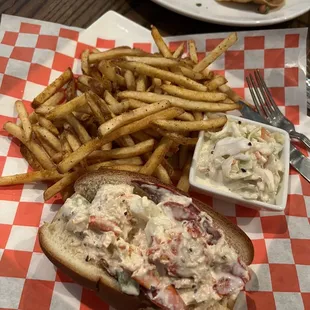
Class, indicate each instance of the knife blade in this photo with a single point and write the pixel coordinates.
(297, 159)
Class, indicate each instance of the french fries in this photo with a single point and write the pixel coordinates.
(64, 109)
(193, 95)
(48, 137)
(162, 46)
(34, 147)
(74, 158)
(183, 183)
(179, 51)
(191, 126)
(178, 79)
(29, 177)
(132, 116)
(115, 53)
(24, 118)
(129, 110)
(193, 51)
(78, 128)
(51, 89)
(157, 156)
(216, 82)
(217, 52)
(125, 152)
(185, 104)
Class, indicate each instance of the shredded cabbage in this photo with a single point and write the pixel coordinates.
(245, 159)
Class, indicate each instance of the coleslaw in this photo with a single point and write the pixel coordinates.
(244, 159)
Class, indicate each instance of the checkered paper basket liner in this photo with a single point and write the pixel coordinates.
(34, 54)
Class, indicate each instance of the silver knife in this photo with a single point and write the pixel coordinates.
(297, 160)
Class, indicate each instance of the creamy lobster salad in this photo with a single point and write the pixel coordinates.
(156, 241)
(244, 159)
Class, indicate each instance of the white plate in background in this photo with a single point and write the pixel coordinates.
(234, 13)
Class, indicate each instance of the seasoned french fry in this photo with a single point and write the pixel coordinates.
(109, 72)
(160, 62)
(46, 146)
(32, 161)
(191, 126)
(176, 137)
(190, 73)
(141, 83)
(70, 90)
(228, 100)
(115, 53)
(125, 152)
(49, 104)
(192, 51)
(73, 159)
(136, 161)
(34, 147)
(233, 95)
(96, 86)
(179, 51)
(133, 103)
(159, 41)
(94, 107)
(183, 156)
(57, 158)
(68, 179)
(66, 108)
(183, 183)
(109, 98)
(51, 89)
(24, 118)
(142, 68)
(107, 146)
(78, 128)
(198, 116)
(131, 168)
(29, 177)
(125, 141)
(162, 174)
(216, 52)
(84, 62)
(157, 156)
(179, 102)
(48, 125)
(48, 137)
(193, 95)
(167, 166)
(67, 192)
(140, 136)
(216, 82)
(130, 80)
(132, 116)
(73, 141)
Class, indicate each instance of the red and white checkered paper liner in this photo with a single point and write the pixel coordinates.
(32, 54)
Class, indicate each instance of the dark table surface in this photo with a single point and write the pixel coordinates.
(82, 13)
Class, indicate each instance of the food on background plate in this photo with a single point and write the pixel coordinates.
(138, 242)
(242, 158)
(129, 110)
(264, 5)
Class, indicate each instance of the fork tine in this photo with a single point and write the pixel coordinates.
(266, 112)
(255, 100)
(262, 97)
(265, 91)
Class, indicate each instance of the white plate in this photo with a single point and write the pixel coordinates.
(234, 13)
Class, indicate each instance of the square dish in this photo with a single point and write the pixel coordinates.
(281, 197)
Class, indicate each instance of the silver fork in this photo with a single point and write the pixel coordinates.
(268, 109)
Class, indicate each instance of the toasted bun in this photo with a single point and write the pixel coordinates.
(54, 241)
